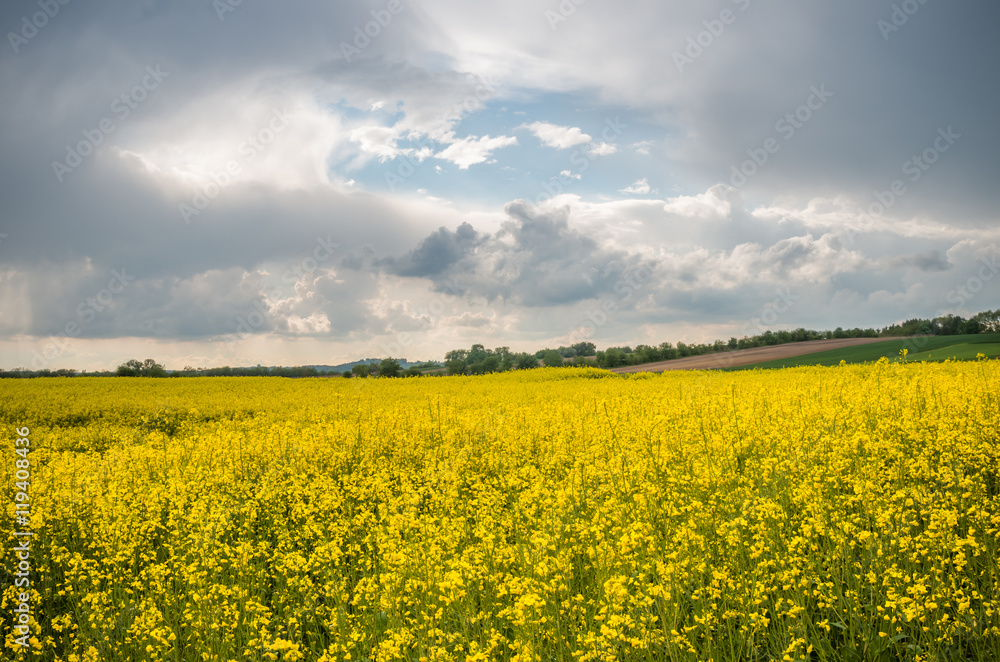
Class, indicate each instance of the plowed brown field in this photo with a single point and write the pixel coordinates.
(740, 357)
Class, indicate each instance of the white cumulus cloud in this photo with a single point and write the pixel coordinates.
(640, 187)
(470, 151)
(560, 137)
(603, 149)
(379, 141)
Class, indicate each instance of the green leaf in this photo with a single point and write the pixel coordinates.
(850, 654)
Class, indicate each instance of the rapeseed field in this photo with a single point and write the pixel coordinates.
(842, 513)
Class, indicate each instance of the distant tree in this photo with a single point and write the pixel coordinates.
(362, 369)
(552, 358)
(477, 354)
(455, 366)
(949, 325)
(506, 362)
(135, 368)
(612, 358)
(389, 368)
(491, 364)
(970, 326)
(525, 361)
(585, 348)
(646, 354)
(457, 355)
(667, 351)
(151, 368)
(989, 321)
(130, 368)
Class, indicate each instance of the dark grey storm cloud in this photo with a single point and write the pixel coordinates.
(436, 254)
(890, 91)
(929, 261)
(535, 259)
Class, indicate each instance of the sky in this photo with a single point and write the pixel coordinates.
(246, 182)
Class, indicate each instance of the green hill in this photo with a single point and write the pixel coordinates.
(960, 351)
(923, 348)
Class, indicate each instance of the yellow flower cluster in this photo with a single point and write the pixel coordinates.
(845, 513)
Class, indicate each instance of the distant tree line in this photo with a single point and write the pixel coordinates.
(479, 360)
(136, 368)
(258, 371)
(61, 372)
(949, 325)
(389, 368)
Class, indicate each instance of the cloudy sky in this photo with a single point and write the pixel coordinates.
(233, 183)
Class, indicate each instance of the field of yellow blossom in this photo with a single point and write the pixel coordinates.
(844, 513)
